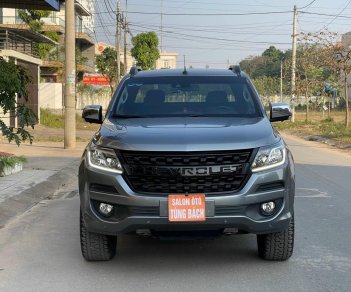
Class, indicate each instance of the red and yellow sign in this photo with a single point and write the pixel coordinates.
(186, 208)
(95, 80)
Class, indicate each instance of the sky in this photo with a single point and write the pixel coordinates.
(216, 40)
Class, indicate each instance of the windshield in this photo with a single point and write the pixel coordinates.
(186, 96)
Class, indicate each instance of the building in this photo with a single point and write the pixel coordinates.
(20, 45)
(100, 47)
(85, 41)
(52, 68)
(167, 61)
(37, 4)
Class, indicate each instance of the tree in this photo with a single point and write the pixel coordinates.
(342, 57)
(273, 54)
(106, 63)
(13, 82)
(33, 19)
(266, 85)
(268, 64)
(145, 50)
(309, 70)
(335, 58)
(265, 70)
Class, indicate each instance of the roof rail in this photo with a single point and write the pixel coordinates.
(134, 70)
(236, 69)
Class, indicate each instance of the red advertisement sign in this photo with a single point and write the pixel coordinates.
(95, 80)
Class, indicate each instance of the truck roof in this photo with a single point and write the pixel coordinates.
(189, 72)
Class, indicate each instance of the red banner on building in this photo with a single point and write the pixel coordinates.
(95, 80)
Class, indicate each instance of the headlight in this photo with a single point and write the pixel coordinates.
(269, 157)
(105, 159)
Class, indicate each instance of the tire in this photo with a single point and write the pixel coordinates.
(94, 246)
(277, 246)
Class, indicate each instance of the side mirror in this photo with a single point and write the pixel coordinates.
(92, 114)
(280, 112)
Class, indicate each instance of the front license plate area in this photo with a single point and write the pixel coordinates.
(186, 208)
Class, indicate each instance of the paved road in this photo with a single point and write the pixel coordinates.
(40, 250)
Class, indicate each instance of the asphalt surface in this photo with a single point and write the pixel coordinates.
(39, 251)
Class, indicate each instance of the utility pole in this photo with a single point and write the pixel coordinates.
(161, 28)
(125, 39)
(118, 41)
(70, 77)
(281, 80)
(293, 66)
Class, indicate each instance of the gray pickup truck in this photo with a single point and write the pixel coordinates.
(186, 153)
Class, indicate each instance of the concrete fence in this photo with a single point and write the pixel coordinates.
(51, 96)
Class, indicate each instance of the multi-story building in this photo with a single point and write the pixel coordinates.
(85, 41)
(38, 4)
(52, 68)
(20, 45)
(167, 61)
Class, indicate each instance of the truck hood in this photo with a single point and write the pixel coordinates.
(186, 134)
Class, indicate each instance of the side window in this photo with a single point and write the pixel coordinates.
(122, 100)
(249, 100)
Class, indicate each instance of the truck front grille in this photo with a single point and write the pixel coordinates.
(146, 177)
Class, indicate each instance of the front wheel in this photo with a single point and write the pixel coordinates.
(96, 247)
(277, 246)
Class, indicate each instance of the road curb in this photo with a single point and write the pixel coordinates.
(331, 142)
(30, 197)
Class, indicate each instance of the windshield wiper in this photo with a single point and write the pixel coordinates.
(126, 116)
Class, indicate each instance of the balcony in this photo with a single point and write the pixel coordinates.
(85, 34)
(53, 23)
(22, 41)
(81, 9)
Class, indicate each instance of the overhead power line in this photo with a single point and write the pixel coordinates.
(338, 15)
(208, 14)
(325, 14)
(224, 39)
(309, 4)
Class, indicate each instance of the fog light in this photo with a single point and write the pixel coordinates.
(268, 208)
(105, 209)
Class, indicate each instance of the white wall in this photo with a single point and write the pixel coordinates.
(89, 21)
(8, 16)
(5, 118)
(167, 61)
(102, 98)
(50, 95)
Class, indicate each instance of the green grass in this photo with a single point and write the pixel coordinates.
(58, 139)
(10, 161)
(53, 120)
(326, 128)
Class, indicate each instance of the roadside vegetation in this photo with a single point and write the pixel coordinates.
(323, 63)
(329, 127)
(13, 102)
(56, 120)
(8, 161)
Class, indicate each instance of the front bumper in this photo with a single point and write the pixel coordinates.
(239, 210)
